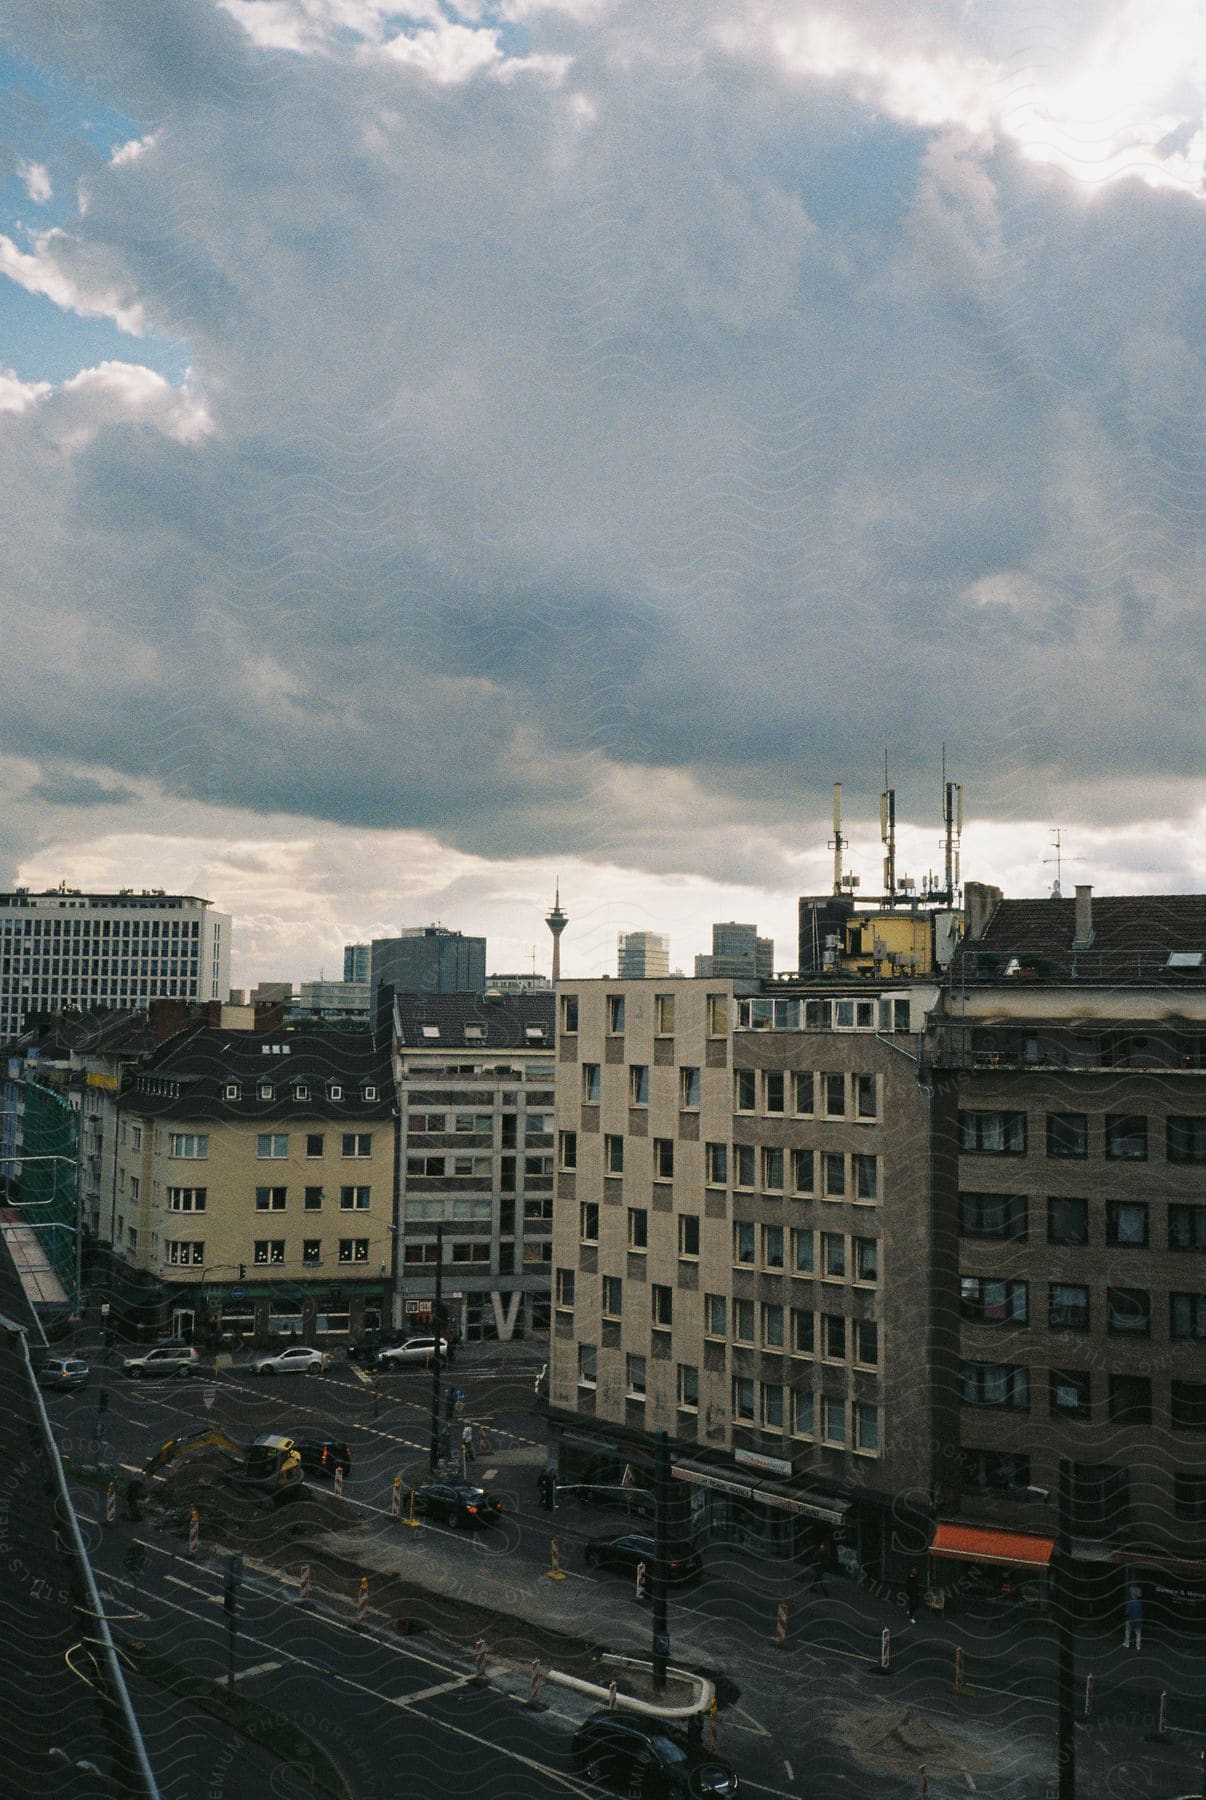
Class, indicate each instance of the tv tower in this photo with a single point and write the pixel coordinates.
(557, 922)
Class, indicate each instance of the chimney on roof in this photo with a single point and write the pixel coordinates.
(167, 1017)
(1084, 919)
(980, 901)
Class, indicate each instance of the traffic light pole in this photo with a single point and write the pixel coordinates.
(1065, 1642)
(661, 1493)
(437, 1359)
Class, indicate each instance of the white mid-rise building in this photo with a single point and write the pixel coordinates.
(65, 951)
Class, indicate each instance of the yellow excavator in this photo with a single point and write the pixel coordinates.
(271, 1464)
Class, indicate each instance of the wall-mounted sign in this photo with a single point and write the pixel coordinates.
(770, 1465)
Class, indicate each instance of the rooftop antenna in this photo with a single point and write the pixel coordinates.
(837, 842)
(887, 833)
(1059, 859)
(952, 818)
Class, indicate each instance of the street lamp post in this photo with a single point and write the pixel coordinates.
(437, 1359)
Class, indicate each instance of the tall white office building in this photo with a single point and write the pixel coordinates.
(643, 955)
(64, 950)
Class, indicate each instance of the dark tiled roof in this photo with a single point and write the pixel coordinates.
(1133, 937)
(189, 1075)
(503, 1023)
(108, 1030)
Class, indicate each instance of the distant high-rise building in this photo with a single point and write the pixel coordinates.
(356, 960)
(429, 959)
(67, 951)
(557, 921)
(331, 1000)
(738, 954)
(643, 954)
(531, 983)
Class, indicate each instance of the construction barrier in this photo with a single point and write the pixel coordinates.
(958, 1668)
(395, 1499)
(781, 1624)
(640, 1581)
(479, 1659)
(534, 1682)
(410, 1511)
(1088, 1695)
(303, 1585)
(362, 1604)
(555, 1572)
(110, 1504)
(612, 1691)
(194, 1532)
(339, 1481)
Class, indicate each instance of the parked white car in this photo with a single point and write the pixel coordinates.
(164, 1359)
(298, 1359)
(414, 1350)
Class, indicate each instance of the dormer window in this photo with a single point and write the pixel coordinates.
(370, 1093)
(301, 1091)
(334, 1092)
(232, 1090)
(265, 1090)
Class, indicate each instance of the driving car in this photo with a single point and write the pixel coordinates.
(458, 1503)
(415, 1350)
(628, 1552)
(322, 1456)
(164, 1359)
(298, 1359)
(646, 1757)
(59, 1372)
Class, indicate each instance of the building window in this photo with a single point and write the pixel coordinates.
(1126, 1224)
(1070, 1391)
(688, 1388)
(743, 1398)
(354, 1199)
(745, 1090)
(1189, 1496)
(588, 1221)
(615, 1014)
(1187, 1227)
(186, 1200)
(718, 1015)
(716, 1324)
(866, 1259)
(833, 1174)
(1128, 1312)
(772, 1326)
(772, 1405)
(993, 1216)
(663, 1159)
(717, 1164)
(866, 1343)
(302, 1092)
(635, 1372)
(866, 1176)
(803, 1415)
(185, 1250)
(271, 1146)
(613, 1153)
(265, 1090)
(988, 1301)
(661, 1304)
(638, 1228)
(1067, 1307)
(743, 1321)
(1067, 1221)
(314, 1143)
(688, 1235)
(1185, 1139)
(773, 1091)
(803, 1332)
(1187, 1318)
(745, 1166)
(992, 1133)
(802, 1093)
(189, 1144)
(833, 1421)
(136, 1137)
(311, 1250)
(833, 1337)
(994, 1384)
(588, 1365)
(567, 1149)
(269, 1250)
(270, 1199)
(613, 1296)
(569, 1013)
(1130, 1400)
(802, 1259)
(591, 1084)
(1067, 1134)
(232, 1090)
(993, 1471)
(663, 1014)
(864, 1097)
(688, 1089)
(866, 1428)
(565, 1288)
(1126, 1137)
(772, 1170)
(357, 1143)
(354, 1250)
(834, 1088)
(1187, 1405)
(743, 1242)
(803, 1172)
(772, 1246)
(434, 1166)
(833, 1255)
(638, 1084)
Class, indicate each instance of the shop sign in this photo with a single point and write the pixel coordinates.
(770, 1465)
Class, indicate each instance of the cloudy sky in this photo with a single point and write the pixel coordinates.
(450, 447)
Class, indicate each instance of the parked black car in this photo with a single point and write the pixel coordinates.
(458, 1503)
(645, 1757)
(628, 1552)
(322, 1456)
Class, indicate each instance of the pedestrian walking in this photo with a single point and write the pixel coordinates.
(467, 1443)
(912, 1595)
(1133, 1614)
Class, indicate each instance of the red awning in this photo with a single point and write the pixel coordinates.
(980, 1544)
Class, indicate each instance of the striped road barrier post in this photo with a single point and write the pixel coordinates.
(339, 1482)
(479, 1659)
(362, 1604)
(555, 1572)
(534, 1682)
(194, 1532)
(958, 1668)
(612, 1691)
(395, 1499)
(1088, 1695)
(110, 1504)
(781, 1618)
(303, 1585)
(640, 1581)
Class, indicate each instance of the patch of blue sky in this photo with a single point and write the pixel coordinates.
(857, 180)
(40, 341)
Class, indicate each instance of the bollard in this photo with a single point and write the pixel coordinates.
(534, 1683)
(925, 1784)
(612, 1690)
(713, 1727)
(110, 1504)
(479, 1660)
(1088, 1695)
(303, 1585)
(1160, 1734)
(395, 1499)
(554, 1572)
(640, 1581)
(781, 1624)
(884, 1666)
(194, 1532)
(410, 1512)
(958, 1668)
(362, 1604)
(339, 1481)
(483, 1440)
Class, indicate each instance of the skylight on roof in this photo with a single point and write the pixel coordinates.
(1184, 959)
(430, 1031)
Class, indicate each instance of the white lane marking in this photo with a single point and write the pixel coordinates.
(264, 1668)
(791, 1774)
(971, 1784)
(429, 1693)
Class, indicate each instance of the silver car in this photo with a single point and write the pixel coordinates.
(298, 1359)
(64, 1372)
(415, 1350)
(164, 1359)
